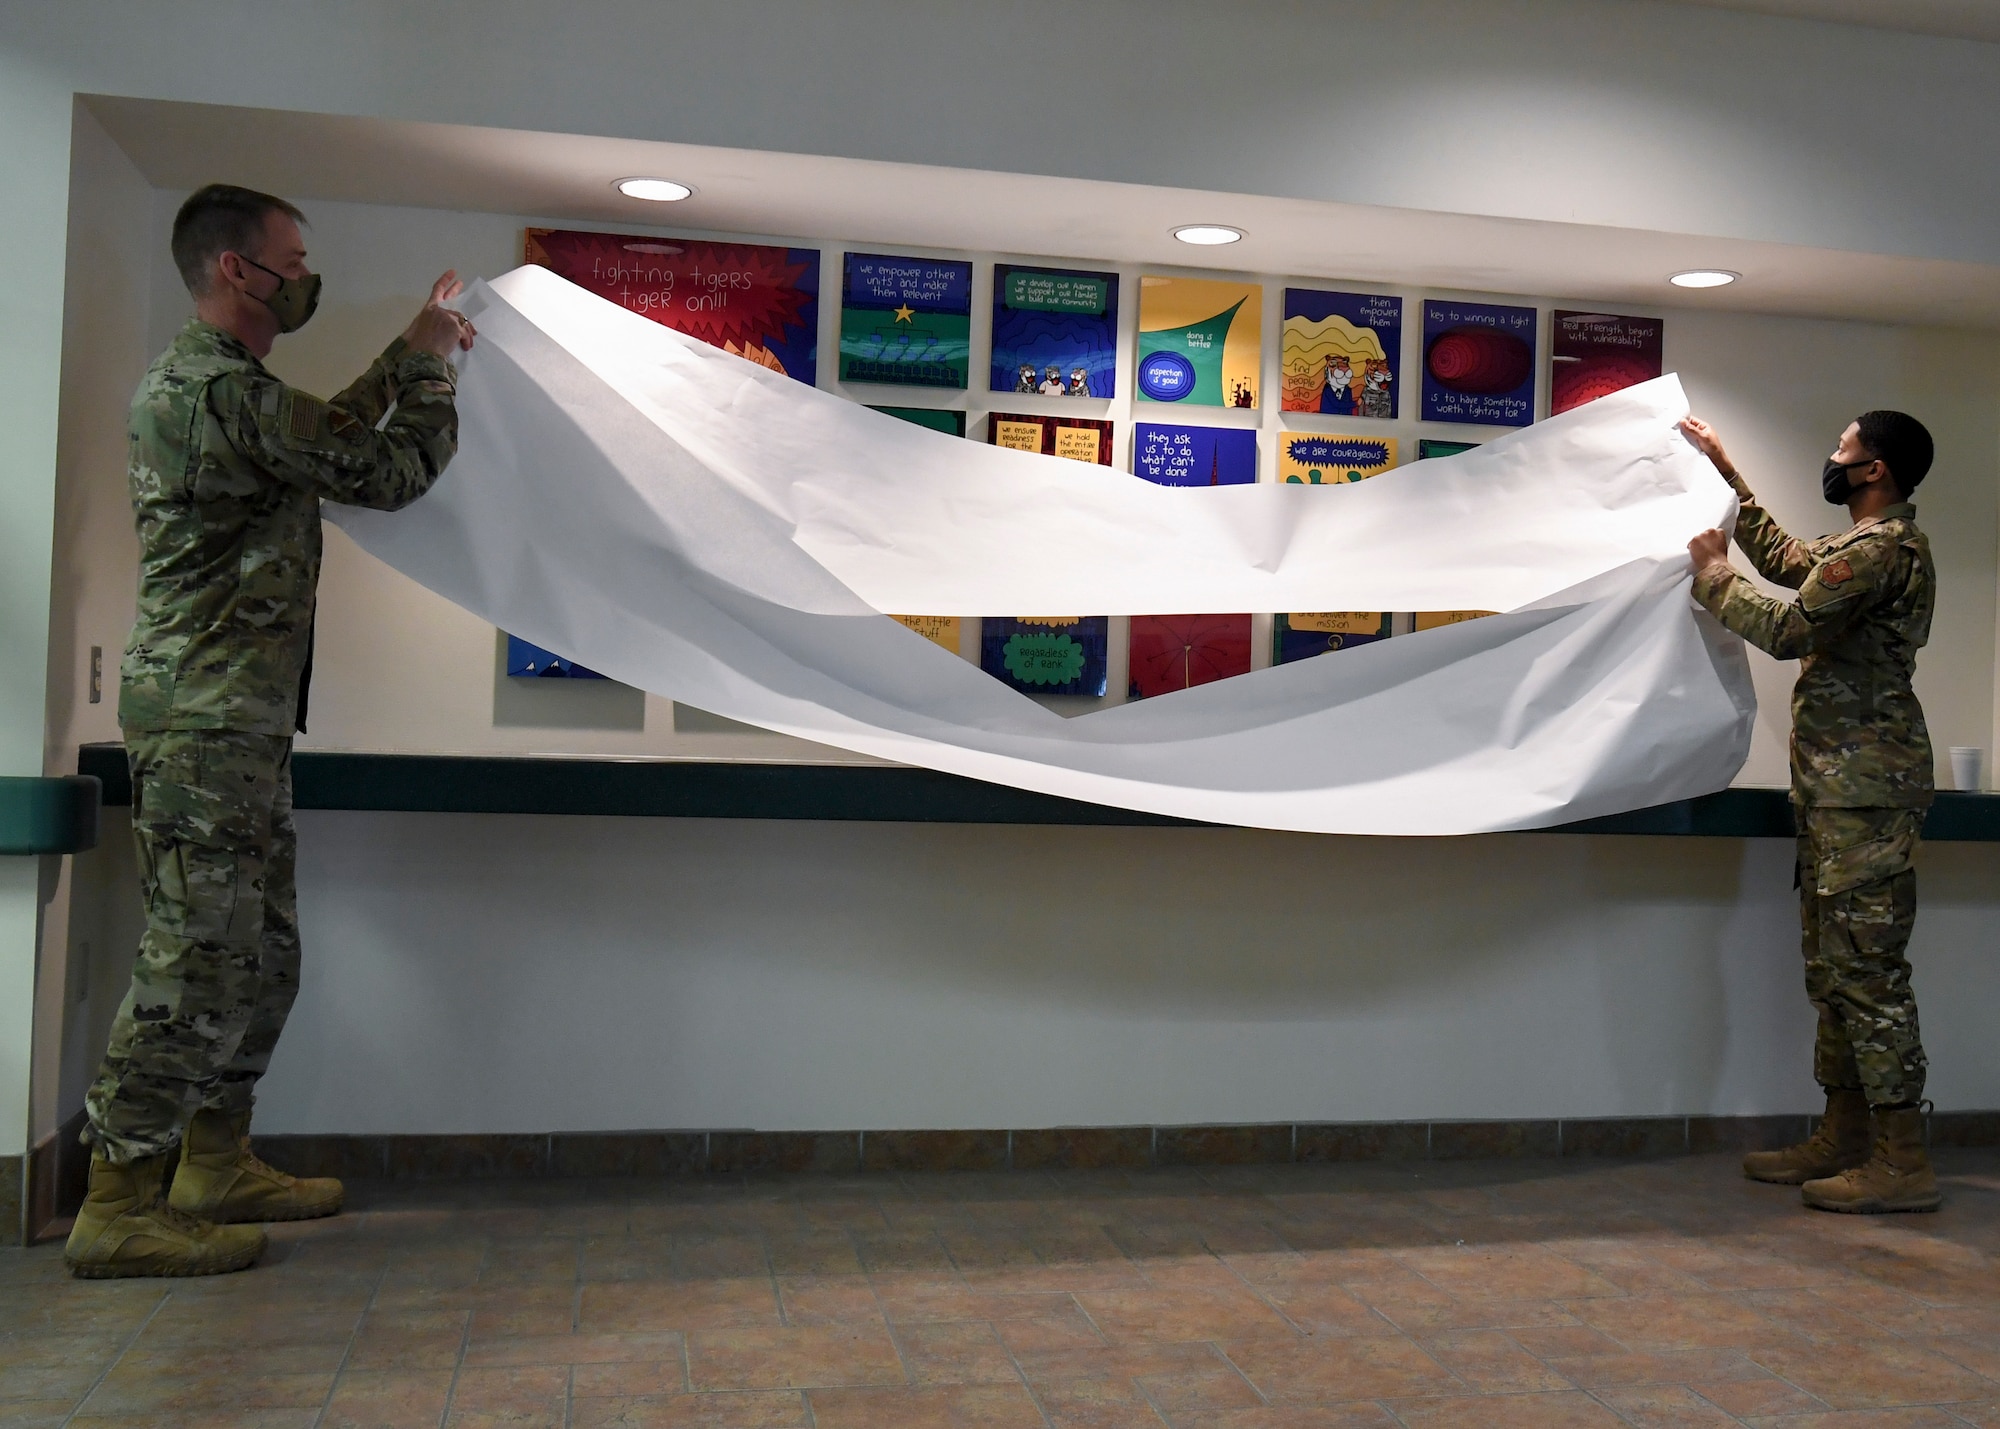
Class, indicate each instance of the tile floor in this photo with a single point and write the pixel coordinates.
(1571, 1293)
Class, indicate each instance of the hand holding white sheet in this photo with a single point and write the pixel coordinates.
(688, 522)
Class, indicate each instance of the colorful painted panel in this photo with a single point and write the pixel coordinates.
(1428, 447)
(1055, 332)
(1200, 341)
(1194, 456)
(1343, 352)
(1178, 652)
(1437, 619)
(1598, 353)
(1300, 636)
(952, 424)
(1479, 364)
(1310, 459)
(1062, 655)
(756, 301)
(532, 662)
(906, 321)
(938, 629)
(1078, 438)
(1053, 655)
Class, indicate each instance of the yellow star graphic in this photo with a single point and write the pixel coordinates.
(905, 313)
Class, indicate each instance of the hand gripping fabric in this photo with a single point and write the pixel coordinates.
(691, 523)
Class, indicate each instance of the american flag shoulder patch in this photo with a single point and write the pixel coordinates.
(305, 417)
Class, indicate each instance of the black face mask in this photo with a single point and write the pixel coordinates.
(1834, 482)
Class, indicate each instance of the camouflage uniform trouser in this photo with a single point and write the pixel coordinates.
(218, 965)
(1857, 905)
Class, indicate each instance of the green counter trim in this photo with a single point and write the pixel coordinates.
(49, 815)
(700, 789)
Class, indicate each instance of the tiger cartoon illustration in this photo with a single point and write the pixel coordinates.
(1376, 400)
(1024, 379)
(1079, 382)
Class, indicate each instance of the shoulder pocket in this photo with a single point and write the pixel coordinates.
(1852, 570)
(193, 448)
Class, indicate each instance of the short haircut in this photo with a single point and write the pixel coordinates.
(1900, 442)
(218, 219)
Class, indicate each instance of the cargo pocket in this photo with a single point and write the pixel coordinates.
(1866, 847)
(200, 892)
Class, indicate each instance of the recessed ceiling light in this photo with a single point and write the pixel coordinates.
(1704, 278)
(1207, 234)
(654, 190)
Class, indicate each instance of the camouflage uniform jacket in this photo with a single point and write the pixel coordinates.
(1864, 610)
(228, 467)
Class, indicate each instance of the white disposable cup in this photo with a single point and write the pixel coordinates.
(1966, 762)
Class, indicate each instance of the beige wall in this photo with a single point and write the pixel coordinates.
(471, 973)
(510, 974)
(1605, 111)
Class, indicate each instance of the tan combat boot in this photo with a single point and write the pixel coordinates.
(126, 1228)
(1898, 1177)
(1840, 1141)
(221, 1179)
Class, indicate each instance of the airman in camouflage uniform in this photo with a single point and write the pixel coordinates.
(1861, 780)
(228, 466)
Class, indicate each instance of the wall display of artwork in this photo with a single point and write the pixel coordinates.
(1055, 332)
(1299, 636)
(906, 321)
(1049, 655)
(1200, 341)
(1594, 354)
(952, 424)
(1313, 459)
(1342, 353)
(1077, 438)
(1178, 652)
(1194, 456)
(1479, 364)
(532, 662)
(752, 299)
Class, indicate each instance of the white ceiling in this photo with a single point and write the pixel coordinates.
(568, 177)
(1959, 19)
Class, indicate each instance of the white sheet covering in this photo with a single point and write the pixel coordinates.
(691, 523)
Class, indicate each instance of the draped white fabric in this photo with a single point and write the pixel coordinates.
(688, 522)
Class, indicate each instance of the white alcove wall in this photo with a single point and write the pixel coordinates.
(474, 973)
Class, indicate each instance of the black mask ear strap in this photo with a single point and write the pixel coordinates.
(246, 258)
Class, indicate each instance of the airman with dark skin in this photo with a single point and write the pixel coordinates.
(1861, 779)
